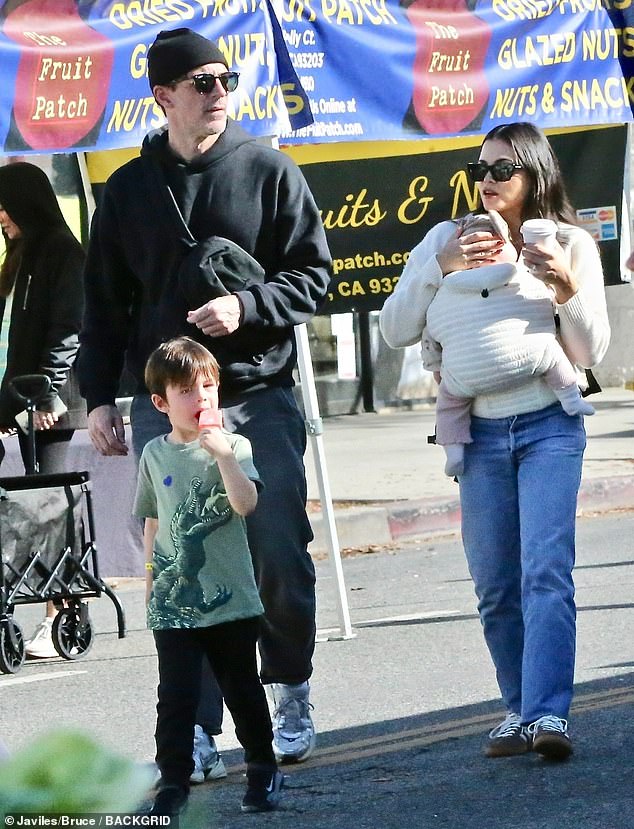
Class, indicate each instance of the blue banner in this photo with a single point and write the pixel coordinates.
(74, 71)
(74, 74)
(384, 70)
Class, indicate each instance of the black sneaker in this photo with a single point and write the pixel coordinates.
(508, 738)
(169, 801)
(264, 789)
(550, 738)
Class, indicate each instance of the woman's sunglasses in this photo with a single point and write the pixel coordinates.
(500, 170)
(206, 82)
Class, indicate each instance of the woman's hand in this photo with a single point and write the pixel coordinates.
(44, 420)
(473, 250)
(550, 266)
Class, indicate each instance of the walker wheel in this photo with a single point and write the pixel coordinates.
(72, 632)
(12, 653)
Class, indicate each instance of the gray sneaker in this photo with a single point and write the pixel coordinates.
(293, 729)
(208, 763)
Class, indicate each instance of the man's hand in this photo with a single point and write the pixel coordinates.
(217, 317)
(105, 427)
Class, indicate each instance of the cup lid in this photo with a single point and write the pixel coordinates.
(545, 227)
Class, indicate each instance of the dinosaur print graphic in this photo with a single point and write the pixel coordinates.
(177, 594)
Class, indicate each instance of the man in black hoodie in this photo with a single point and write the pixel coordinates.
(148, 258)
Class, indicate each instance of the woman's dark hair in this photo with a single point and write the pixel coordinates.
(28, 197)
(547, 198)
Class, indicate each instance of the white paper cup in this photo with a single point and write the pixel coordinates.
(539, 231)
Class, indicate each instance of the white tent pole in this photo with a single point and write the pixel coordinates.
(626, 215)
(314, 429)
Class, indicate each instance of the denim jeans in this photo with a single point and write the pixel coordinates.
(518, 497)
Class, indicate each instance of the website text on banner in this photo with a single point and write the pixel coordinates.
(381, 69)
(74, 74)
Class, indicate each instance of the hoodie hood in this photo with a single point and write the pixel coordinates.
(28, 197)
(156, 144)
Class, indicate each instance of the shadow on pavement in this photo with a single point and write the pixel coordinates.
(429, 771)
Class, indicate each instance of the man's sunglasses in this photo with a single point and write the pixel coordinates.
(206, 82)
(500, 170)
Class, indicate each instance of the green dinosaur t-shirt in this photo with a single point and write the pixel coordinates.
(203, 573)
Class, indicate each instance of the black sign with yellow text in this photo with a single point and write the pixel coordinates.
(376, 210)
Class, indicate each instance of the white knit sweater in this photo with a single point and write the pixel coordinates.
(584, 326)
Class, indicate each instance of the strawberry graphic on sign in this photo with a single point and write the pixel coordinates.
(450, 86)
(63, 74)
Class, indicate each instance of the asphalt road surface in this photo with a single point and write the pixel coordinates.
(402, 708)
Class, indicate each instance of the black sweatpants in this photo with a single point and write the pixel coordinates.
(231, 651)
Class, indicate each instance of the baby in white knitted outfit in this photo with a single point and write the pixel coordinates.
(487, 329)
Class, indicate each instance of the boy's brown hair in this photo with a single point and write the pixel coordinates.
(179, 362)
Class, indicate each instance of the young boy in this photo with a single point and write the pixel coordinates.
(195, 486)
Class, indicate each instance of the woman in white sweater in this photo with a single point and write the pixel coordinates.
(518, 489)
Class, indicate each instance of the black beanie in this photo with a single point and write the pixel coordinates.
(177, 51)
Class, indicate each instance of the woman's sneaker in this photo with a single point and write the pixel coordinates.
(208, 763)
(264, 789)
(550, 737)
(508, 738)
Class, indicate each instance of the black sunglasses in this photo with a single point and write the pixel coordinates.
(500, 170)
(206, 82)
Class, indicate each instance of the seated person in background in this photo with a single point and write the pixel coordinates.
(42, 299)
(487, 328)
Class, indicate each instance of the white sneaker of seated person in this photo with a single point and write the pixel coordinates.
(40, 645)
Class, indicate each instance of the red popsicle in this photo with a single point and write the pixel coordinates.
(210, 419)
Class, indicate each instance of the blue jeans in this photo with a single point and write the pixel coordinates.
(278, 529)
(518, 497)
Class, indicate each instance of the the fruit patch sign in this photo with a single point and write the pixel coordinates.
(62, 78)
(450, 85)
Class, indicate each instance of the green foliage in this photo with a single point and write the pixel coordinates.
(68, 772)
